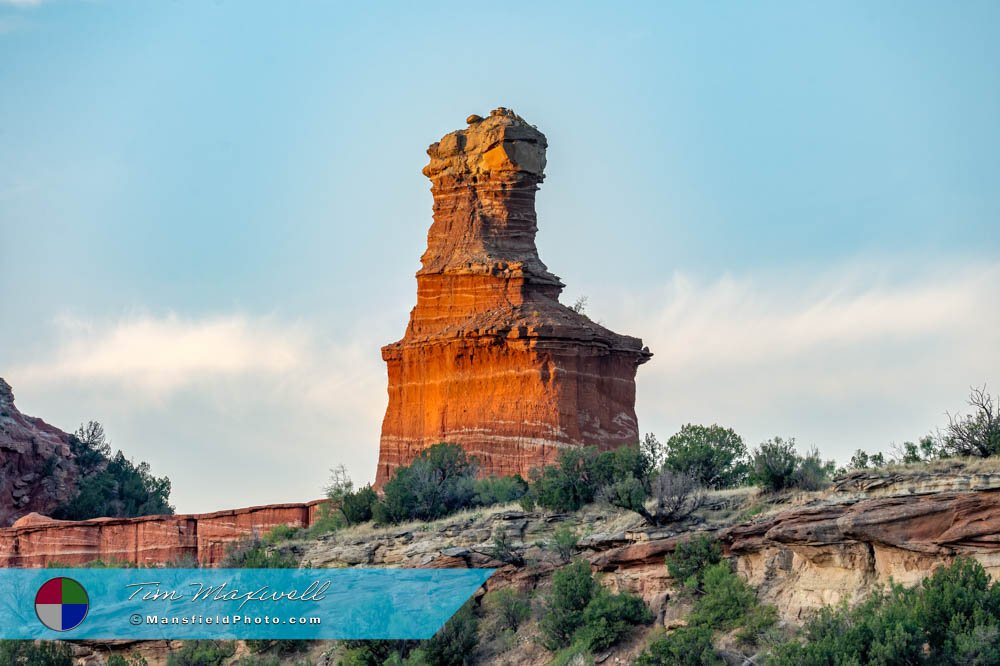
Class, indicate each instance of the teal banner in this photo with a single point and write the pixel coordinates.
(144, 604)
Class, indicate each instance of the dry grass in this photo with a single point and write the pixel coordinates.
(971, 465)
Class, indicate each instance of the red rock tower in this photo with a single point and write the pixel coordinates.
(491, 360)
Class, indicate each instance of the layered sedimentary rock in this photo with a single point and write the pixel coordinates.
(37, 541)
(37, 468)
(491, 360)
(805, 558)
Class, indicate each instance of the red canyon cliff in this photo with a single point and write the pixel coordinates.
(491, 360)
(37, 468)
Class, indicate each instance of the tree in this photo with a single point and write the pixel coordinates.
(687, 646)
(777, 466)
(455, 643)
(500, 489)
(675, 497)
(90, 447)
(42, 653)
(715, 456)
(511, 607)
(608, 618)
(564, 542)
(358, 506)
(690, 559)
(978, 433)
(122, 489)
(573, 586)
(581, 473)
(440, 480)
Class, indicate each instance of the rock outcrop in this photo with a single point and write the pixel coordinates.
(491, 360)
(37, 541)
(37, 468)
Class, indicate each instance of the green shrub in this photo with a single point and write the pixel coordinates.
(345, 505)
(811, 473)
(499, 490)
(511, 608)
(715, 456)
(564, 542)
(258, 660)
(30, 653)
(862, 460)
(253, 553)
(609, 618)
(726, 599)
(579, 611)
(280, 533)
(951, 618)
(111, 486)
(691, 558)
(279, 647)
(131, 659)
(566, 486)
(375, 652)
(573, 586)
(358, 506)
(455, 643)
(440, 481)
(202, 653)
(776, 466)
(582, 472)
(756, 623)
(504, 550)
(687, 646)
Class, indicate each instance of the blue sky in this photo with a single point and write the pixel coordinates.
(212, 212)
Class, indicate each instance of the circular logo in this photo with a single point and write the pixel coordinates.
(61, 604)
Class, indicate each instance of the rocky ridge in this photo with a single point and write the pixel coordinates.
(37, 468)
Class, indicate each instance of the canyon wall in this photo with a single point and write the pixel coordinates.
(37, 468)
(37, 541)
(490, 359)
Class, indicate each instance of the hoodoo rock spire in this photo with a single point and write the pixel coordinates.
(490, 359)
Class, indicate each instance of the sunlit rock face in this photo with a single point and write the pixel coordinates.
(490, 359)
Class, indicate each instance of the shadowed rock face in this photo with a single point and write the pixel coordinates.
(37, 468)
(491, 360)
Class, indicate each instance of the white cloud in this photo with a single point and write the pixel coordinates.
(236, 410)
(161, 355)
(844, 360)
(21, 3)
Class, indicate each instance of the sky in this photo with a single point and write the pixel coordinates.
(211, 213)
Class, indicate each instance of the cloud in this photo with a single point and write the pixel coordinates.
(21, 3)
(237, 410)
(857, 357)
(161, 355)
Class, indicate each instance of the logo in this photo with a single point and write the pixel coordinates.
(61, 604)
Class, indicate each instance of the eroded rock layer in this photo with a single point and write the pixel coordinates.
(491, 360)
(38, 541)
(37, 468)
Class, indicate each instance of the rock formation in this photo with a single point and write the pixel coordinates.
(37, 541)
(491, 360)
(37, 471)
